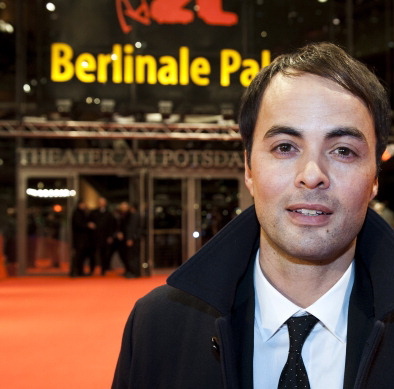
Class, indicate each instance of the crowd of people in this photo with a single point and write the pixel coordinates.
(99, 234)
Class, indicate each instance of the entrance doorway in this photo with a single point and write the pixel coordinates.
(44, 243)
(179, 213)
(186, 213)
(219, 205)
(168, 222)
(120, 191)
(43, 218)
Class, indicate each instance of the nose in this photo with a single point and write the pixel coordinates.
(312, 175)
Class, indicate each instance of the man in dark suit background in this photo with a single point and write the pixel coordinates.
(104, 226)
(83, 241)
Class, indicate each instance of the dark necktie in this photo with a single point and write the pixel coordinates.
(294, 374)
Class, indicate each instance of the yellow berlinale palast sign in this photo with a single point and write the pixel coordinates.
(122, 65)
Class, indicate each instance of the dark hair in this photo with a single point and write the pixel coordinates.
(325, 60)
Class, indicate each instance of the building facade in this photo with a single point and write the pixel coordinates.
(137, 100)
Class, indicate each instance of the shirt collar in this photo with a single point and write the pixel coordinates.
(273, 309)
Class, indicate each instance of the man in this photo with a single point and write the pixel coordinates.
(133, 235)
(314, 125)
(104, 226)
(83, 246)
(125, 238)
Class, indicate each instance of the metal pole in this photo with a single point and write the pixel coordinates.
(20, 63)
(20, 77)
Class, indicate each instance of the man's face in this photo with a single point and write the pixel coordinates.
(312, 171)
(124, 207)
(102, 202)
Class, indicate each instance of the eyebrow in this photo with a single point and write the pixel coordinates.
(346, 131)
(283, 130)
(334, 133)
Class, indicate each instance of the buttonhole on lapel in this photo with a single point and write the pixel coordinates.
(215, 345)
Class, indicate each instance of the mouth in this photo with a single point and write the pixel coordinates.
(310, 212)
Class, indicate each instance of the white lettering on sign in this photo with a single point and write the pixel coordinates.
(56, 157)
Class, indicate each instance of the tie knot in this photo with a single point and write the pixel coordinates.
(299, 329)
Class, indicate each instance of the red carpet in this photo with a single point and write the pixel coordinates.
(62, 333)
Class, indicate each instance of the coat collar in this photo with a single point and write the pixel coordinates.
(375, 248)
(215, 271)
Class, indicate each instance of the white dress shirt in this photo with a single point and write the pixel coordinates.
(324, 350)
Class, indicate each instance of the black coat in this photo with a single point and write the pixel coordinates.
(83, 236)
(197, 331)
(105, 225)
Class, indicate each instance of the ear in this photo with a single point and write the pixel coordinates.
(248, 175)
(375, 187)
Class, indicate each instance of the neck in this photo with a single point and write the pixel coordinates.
(303, 281)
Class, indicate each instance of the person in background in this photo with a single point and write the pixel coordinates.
(104, 228)
(123, 240)
(82, 239)
(133, 236)
(52, 229)
(32, 226)
(298, 290)
(9, 236)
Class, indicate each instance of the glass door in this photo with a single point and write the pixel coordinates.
(166, 222)
(47, 242)
(219, 203)
(184, 213)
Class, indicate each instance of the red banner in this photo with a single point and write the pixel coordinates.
(173, 12)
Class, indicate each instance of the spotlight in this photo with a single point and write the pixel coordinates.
(165, 108)
(64, 105)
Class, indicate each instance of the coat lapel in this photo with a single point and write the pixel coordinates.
(360, 322)
(243, 327)
(237, 334)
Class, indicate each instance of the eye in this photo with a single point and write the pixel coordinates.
(344, 152)
(284, 149)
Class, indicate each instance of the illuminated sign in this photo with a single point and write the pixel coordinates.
(122, 65)
(173, 12)
(198, 54)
